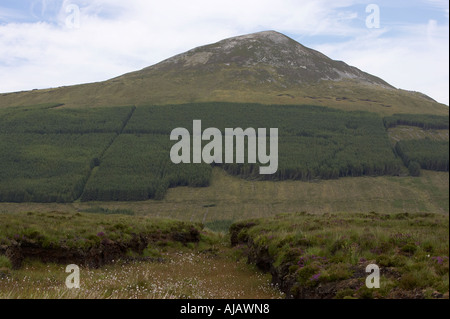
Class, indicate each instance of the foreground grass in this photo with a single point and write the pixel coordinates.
(306, 255)
(179, 272)
(120, 256)
(325, 256)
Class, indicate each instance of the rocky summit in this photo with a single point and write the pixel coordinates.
(266, 57)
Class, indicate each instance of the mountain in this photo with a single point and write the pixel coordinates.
(263, 58)
(352, 187)
(266, 67)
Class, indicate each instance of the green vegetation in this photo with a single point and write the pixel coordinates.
(400, 133)
(82, 230)
(138, 167)
(230, 198)
(120, 257)
(302, 250)
(102, 210)
(220, 225)
(47, 167)
(425, 148)
(88, 239)
(314, 142)
(54, 154)
(414, 168)
(5, 263)
(425, 121)
(430, 154)
(205, 271)
(48, 153)
(307, 255)
(49, 119)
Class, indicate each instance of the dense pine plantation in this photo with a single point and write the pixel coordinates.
(48, 153)
(47, 167)
(425, 153)
(52, 154)
(138, 167)
(47, 119)
(429, 154)
(314, 142)
(425, 121)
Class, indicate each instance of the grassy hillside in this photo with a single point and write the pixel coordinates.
(230, 199)
(158, 90)
(402, 132)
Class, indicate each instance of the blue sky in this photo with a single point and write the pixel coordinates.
(45, 43)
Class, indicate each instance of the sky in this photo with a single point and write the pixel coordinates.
(53, 43)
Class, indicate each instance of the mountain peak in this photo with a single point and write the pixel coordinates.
(271, 35)
(266, 57)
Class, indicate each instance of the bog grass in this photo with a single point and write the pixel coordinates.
(412, 251)
(181, 273)
(81, 230)
(165, 269)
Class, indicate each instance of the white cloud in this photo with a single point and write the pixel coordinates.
(116, 37)
(418, 60)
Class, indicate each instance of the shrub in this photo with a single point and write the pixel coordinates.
(309, 275)
(339, 271)
(5, 262)
(414, 169)
(365, 293)
(409, 249)
(345, 293)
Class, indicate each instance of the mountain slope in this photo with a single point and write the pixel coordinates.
(266, 67)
